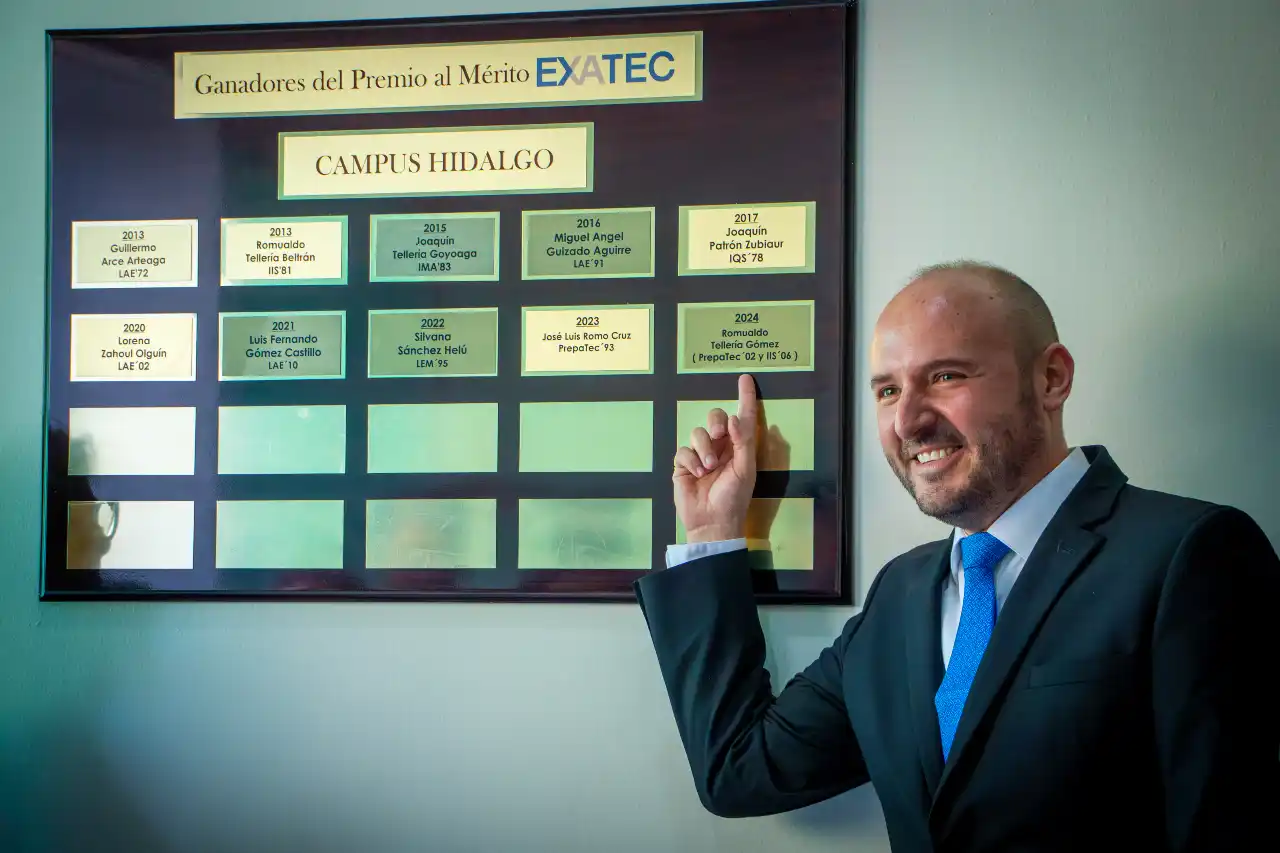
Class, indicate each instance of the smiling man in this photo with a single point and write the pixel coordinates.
(956, 358)
(1082, 664)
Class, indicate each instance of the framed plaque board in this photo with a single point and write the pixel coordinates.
(423, 308)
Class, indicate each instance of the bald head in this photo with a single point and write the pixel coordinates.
(999, 301)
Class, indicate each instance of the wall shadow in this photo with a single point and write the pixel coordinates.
(1211, 380)
(58, 790)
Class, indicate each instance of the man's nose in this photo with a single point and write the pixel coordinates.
(913, 415)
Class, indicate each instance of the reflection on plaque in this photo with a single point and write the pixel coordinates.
(779, 533)
(130, 535)
(586, 533)
(431, 534)
(132, 440)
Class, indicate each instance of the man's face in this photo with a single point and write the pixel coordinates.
(958, 421)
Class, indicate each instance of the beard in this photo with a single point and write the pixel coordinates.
(999, 456)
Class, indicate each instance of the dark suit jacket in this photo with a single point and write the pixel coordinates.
(1126, 701)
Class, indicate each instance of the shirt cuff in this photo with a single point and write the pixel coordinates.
(680, 554)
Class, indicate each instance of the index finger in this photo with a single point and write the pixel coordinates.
(747, 405)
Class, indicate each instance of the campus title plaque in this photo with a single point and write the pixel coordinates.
(423, 309)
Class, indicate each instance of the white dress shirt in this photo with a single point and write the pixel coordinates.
(1020, 527)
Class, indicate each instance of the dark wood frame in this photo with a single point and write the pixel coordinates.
(829, 582)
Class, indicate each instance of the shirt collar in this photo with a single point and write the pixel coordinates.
(1021, 525)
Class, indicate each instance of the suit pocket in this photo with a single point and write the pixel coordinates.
(1079, 670)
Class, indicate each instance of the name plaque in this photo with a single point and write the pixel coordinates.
(614, 243)
(291, 250)
(444, 342)
(753, 337)
(588, 340)
(434, 247)
(282, 345)
(747, 238)
(133, 347)
(144, 253)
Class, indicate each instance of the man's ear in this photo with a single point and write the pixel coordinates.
(1057, 369)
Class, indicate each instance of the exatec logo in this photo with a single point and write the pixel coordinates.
(604, 68)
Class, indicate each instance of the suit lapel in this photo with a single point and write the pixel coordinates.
(924, 659)
(1063, 550)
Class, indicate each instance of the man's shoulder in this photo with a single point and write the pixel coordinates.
(1156, 510)
(1157, 500)
(1158, 523)
(1130, 505)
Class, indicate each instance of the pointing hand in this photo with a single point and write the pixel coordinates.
(715, 474)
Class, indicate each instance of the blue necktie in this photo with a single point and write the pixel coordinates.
(979, 553)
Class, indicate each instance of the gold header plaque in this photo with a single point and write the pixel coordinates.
(640, 68)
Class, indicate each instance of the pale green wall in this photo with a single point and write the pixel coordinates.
(1120, 155)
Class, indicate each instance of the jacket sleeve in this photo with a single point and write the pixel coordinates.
(750, 752)
(1214, 653)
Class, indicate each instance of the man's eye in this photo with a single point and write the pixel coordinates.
(943, 377)
(884, 392)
